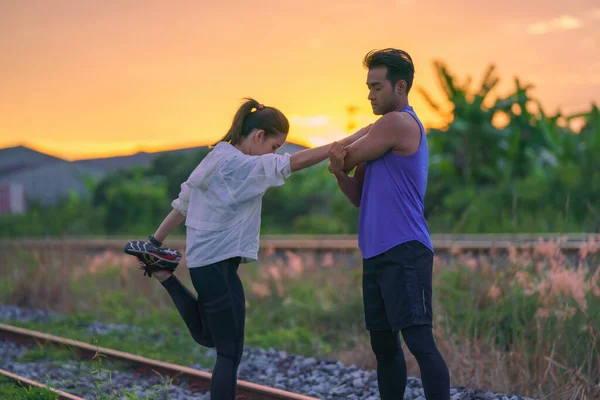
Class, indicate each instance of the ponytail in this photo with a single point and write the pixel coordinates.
(235, 133)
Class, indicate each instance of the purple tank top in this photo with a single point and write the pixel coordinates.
(392, 203)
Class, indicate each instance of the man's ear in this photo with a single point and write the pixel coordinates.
(401, 87)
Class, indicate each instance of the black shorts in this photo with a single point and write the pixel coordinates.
(397, 288)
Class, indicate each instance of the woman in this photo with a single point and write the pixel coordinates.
(221, 204)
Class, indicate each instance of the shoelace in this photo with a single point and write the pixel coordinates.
(170, 252)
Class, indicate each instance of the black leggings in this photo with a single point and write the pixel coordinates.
(391, 365)
(216, 318)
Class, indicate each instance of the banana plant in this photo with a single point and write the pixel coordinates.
(471, 149)
(589, 138)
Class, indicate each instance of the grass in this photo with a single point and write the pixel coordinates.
(152, 342)
(98, 370)
(11, 390)
(46, 352)
(526, 324)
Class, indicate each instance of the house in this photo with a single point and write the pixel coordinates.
(13, 159)
(28, 175)
(12, 199)
(40, 177)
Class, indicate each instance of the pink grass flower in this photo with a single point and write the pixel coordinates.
(274, 273)
(494, 292)
(260, 289)
(512, 253)
(570, 283)
(471, 263)
(270, 251)
(328, 260)
(594, 281)
(295, 265)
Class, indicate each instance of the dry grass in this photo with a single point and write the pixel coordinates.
(528, 323)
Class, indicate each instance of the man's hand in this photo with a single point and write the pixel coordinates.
(337, 153)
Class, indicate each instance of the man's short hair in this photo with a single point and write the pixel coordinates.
(398, 62)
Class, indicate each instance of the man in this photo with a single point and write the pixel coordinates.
(389, 186)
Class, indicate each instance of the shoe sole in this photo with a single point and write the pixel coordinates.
(137, 249)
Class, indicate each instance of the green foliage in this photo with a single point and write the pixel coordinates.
(531, 174)
(70, 216)
(309, 202)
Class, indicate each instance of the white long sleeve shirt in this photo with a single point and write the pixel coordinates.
(222, 202)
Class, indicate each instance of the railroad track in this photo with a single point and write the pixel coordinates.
(441, 242)
(200, 379)
(30, 384)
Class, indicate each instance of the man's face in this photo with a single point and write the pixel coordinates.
(382, 95)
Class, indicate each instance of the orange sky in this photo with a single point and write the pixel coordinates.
(88, 78)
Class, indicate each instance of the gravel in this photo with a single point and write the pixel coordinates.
(323, 379)
(92, 380)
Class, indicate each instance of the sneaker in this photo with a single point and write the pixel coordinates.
(155, 258)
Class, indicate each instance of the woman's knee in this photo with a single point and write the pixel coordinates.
(230, 349)
(202, 339)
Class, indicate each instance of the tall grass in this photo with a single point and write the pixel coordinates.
(527, 322)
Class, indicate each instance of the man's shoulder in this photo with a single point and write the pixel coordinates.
(399, 121)
(402, 128)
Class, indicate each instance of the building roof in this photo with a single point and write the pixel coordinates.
(13, 159)
(47, 178)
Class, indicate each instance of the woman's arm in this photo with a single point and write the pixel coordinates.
(176, 216)
(249, 176)
(171, 221)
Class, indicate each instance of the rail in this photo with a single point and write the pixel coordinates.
(441, 242)
(201, 379)
(31, 383)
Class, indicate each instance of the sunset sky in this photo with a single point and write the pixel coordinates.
(90, 78)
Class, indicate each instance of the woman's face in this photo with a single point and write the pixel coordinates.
(262, 144)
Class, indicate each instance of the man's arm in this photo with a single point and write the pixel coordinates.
(394, 131)
(352, 186)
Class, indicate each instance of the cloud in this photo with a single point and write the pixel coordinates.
(325, 137)
(316, 141)
(312, 121)
(562, 23)
(322, 129)
(595, 13)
